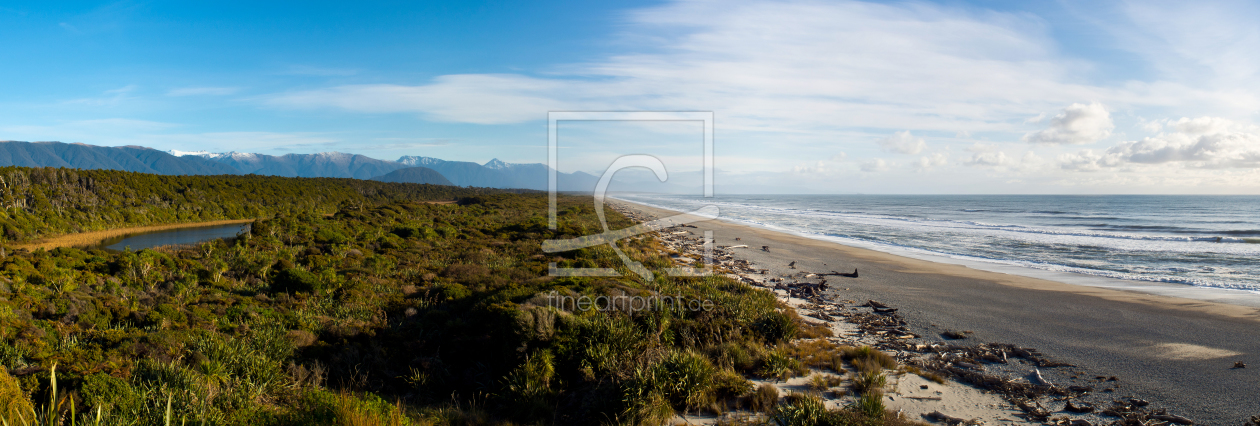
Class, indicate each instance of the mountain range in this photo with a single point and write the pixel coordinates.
(493, 174)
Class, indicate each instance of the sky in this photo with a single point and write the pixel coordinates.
(1076, 97)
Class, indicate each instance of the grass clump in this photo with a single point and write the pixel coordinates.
(764, 399)
(866, 359)
(869, 381)
(820, 383)
(781, 365)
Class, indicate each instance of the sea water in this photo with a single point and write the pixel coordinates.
(1208, 241)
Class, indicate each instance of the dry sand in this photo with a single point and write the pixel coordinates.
(1177, 353)
(93, 237)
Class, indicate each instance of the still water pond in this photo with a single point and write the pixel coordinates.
(173, 237)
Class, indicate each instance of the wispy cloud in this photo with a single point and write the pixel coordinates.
(799, 65)
(108, 97)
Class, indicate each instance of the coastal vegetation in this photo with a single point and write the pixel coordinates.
(354, 302)
(44, 202)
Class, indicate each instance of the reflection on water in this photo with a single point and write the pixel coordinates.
(173, 237)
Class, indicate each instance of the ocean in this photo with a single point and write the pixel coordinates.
(1206, 241)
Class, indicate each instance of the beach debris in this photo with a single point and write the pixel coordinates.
(792, 265)
(1036, 378)
(737, 239)
(954, 334)
(924, 398)
(1239, 364)
(1080, 422)
(1255, 421)
(1172, 418)
(1078, 408)
(965, 364)
(765, 249)
(938, 416)
(739, 246)
(1033, 411)
(1134, 411)
(1080, 389)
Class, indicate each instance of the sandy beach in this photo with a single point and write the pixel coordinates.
(1177, 353)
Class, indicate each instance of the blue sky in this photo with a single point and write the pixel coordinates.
(810, 96)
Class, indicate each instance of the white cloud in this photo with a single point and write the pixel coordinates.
(479, 99)
(982, 147)
(800, 65)
(903, 143)
(1039, 118)
(929, 162)
(202, 91)
(811, 169)
(1077, 124)
(1205, 142)
(840, 157)
(876, 165)
(1032, 160)
(988, 159)
(1087, 160)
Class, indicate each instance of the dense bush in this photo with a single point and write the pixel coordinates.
(388, 311)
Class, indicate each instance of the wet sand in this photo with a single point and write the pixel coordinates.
(1177, 353)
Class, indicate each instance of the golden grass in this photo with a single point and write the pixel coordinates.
(93, 237)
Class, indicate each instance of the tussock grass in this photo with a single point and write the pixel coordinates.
(924, 374)
(866, 359)
(869, 382)
(764, 399)
(819, 383)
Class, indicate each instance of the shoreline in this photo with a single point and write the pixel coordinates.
(92, 237)
(1175, 352)
(1219, 295)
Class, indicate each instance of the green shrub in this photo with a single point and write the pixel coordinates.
(776, 327)
(451, 291)
(114, 396)
(687, 379)
(295, 280)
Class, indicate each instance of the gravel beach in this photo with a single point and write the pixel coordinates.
(1178, 354)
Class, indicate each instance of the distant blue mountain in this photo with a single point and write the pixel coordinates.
(498, 174)
(414, 175)
(493, 174)
(130, 158)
